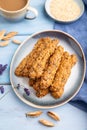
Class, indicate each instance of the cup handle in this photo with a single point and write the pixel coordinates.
(32, 10)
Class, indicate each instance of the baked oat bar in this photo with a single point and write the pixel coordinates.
(42, 92)
(39, 92)
(32, 58)
(26, 63)
(50, 71)
(39, 65)
(63, 72)
(62, 75)
(19, 69)
(58, 93)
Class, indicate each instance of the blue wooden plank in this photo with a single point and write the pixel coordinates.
(12, 115)
(6, 54)
(42, 22)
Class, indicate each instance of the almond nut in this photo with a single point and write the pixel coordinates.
(5, 43)
(46, 123)
(34, 114)
(16, 41)
(9, 35)
(53, 115)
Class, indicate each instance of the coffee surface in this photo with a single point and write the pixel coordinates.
(12, 5)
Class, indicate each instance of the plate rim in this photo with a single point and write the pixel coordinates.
(50, 106)
(60, 21)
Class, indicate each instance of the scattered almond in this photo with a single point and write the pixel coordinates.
(16, 41)
(9, 35)
(46, 123)
(34, 114)
(2, 34)
(5, 43)
(53, 115)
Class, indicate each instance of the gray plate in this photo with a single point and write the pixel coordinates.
(79, 2)
(74, 82)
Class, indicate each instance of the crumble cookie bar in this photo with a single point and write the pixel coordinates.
(23, 67)
(19, 69)
(50, 71)
(40, 46)
(42, 92)
(39, 65)
(62, 75)
(58, 94)
(39, 92)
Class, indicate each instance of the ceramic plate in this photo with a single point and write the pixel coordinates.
(74, 82)
(79, 2)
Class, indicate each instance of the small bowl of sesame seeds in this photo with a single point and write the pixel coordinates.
(64, 10)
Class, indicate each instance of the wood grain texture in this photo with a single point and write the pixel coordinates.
(6, 54)
(12, 115)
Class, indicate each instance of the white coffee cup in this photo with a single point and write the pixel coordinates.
(19, 14)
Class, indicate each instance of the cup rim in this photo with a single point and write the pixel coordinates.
(16, 10)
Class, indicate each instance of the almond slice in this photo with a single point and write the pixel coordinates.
(16, 41)
(46, 123)
(5, 43)
(9, 35)
(34, 114)
(2, 34)
(53, 115)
